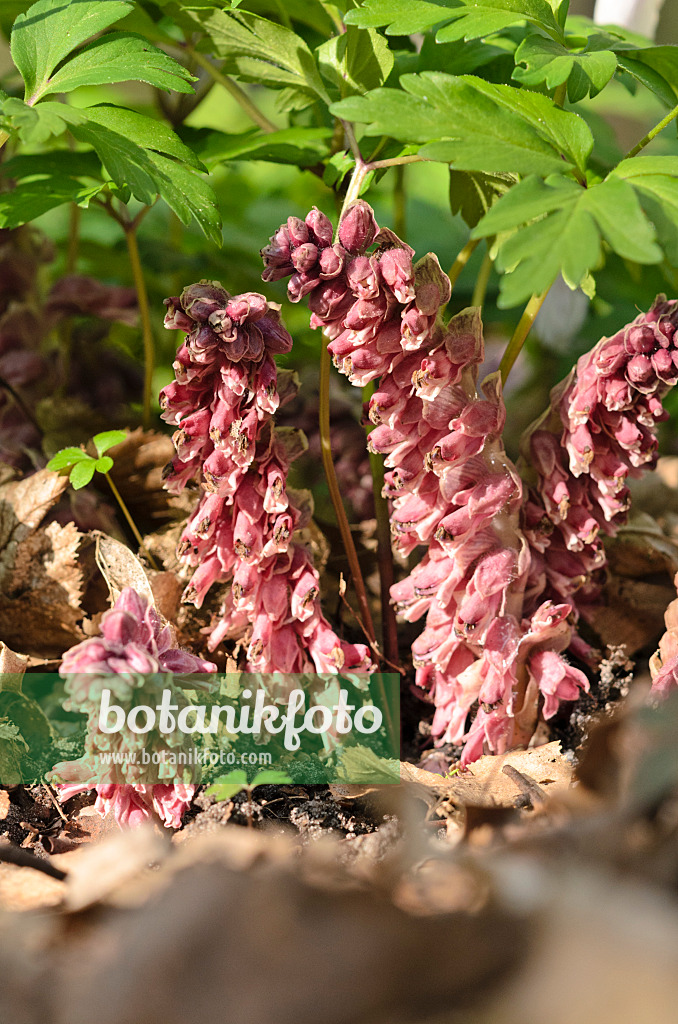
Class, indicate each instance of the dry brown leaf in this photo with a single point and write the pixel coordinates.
(138, 464)
(11, 663)
(641, 548)
(228, 907)
(484, 783)
(97, 870)
(4, 804)
(632, 616)
(23, 506)
(40, 611)
(121, 568)
(25, 889)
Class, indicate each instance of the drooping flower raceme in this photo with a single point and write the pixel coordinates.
(599, 431)
(226, 391)
(451, 485)
(134, 644)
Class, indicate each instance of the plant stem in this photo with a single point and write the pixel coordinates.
(399, 203)
(145, 316)
(652, 133)
(241, 97)
(21, 403)
(461, 260)
(389, 627)
(335, 492)
(482, 281)
(132, 524)
(520, 334)
(396, 161)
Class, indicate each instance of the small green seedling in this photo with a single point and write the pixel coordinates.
(228, 786)
(82, 466)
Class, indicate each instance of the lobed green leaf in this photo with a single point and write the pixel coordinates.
(559, 227)
(462, 19)
(355, 61)
(546, 61)
(51, 29)
(481, 126)
(259, 50)
(120, 57)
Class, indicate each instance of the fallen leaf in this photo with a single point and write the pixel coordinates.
(42, 587)
(4, 804)
(121, 568)
(484, 783)
(11, 663)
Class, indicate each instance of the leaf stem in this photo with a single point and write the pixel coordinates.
(462, 259)
(132, 524)
(241, 97)
(144, 314)
(652, 133)
(482, 281)
(520, 334)
(396, 161)
(335, 492)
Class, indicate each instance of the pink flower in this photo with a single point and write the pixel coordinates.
(135, 642)
(450, 482)
(242, 531)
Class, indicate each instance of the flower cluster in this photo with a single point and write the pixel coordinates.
(134, 644)
(451, 485)
(226, 391)
(664, 663)
(599, 431)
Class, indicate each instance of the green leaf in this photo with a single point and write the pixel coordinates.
(82, 473)
(227, 786)
(67, 458)
(355, 61)
(271, 777)
(34, 125)
(560, 229)
(67, 162)
(104, 464)
(147, 173)
(188, 195)
(302, 147)
(121, 57)
(258, 50)
(146, 132)
(549, 62)
(655, 180)
(648, 77)
(472, 193)
(107, 439)
(661, 59)
(51, 29)
(470, 19)
(33, 197)
(486, 127)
